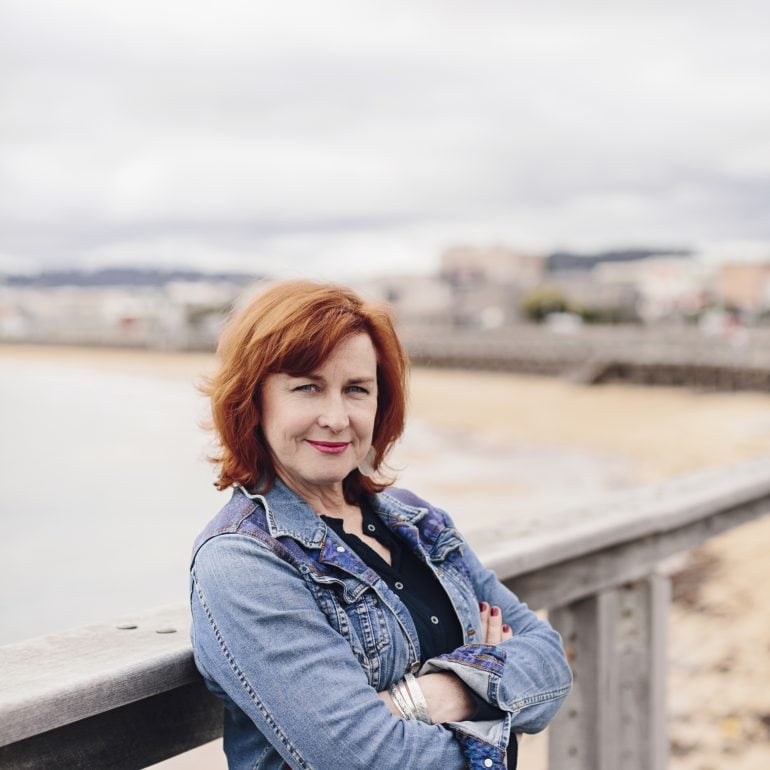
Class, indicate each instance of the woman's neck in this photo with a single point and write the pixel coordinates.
(327, 500)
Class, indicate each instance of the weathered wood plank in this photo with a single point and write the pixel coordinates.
(53, 680)
(614, 719)
(629, 516)
(581, 576)
(130, 737)
(573, 734)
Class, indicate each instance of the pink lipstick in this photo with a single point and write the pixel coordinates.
(330, 447)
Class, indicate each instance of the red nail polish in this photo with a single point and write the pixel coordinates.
(506, 628)
(482, 606)
(495, 611)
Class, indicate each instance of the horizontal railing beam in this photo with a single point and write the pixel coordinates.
(62, 678)
(126, 738)
(626, 517)
(585, 575)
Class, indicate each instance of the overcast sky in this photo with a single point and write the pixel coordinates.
(336, 138)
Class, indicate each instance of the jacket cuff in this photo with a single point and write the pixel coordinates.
(484, 744)
(479, 666)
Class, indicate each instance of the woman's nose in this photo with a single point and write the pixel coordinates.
(334, 415)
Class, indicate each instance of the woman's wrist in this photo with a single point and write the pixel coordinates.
(448, 698)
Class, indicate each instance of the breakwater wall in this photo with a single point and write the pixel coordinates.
(649, 356)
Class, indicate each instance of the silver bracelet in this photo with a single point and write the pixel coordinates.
(402, 702)
(418, 698)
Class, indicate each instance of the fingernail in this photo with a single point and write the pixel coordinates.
(483, 606)
(506, 628)
(495, 611)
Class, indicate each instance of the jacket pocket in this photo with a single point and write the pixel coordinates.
(362, 621)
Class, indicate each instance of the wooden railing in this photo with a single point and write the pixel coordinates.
(126, 694)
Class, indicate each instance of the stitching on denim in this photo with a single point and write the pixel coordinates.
(473, 737)
(244, 681)
(262, 756)
(543, 697)
(272, 545)
(469, 664)
(405, 506)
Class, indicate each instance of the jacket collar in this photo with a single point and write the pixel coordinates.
(288, 515)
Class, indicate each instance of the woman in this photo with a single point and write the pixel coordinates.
(344, 623)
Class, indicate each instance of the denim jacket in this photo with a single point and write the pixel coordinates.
(297, 635)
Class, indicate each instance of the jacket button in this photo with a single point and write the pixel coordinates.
(471, 632)
(371, 527)
(434, 620)
(488, 762)
(399, 585)
(340, 549)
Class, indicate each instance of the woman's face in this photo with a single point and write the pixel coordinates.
(319, 426)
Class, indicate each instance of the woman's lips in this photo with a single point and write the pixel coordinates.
(330, 447)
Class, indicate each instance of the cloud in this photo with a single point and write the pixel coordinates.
(151, 130)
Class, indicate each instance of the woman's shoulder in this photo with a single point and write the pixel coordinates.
(407, 497)
(406, 504)
(231, 518)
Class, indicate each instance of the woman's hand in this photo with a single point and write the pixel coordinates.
(449, 700)
(493, 630)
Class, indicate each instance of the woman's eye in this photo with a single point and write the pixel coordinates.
(309, 387)
(357, 389)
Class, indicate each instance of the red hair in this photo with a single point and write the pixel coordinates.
(292, 328)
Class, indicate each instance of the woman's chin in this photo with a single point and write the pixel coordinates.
(318, 482)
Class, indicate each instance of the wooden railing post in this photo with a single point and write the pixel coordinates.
(615, 717)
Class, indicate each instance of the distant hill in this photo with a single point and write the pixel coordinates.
(568, 260)
(121, 276)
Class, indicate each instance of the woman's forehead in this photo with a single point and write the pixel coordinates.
(355, 352)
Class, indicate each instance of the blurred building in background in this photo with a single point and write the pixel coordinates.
(745, 286)
(126, 309)
(475, 287)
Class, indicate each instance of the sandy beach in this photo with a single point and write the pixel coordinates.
(545, 442)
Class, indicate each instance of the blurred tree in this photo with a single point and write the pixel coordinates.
(543, 301)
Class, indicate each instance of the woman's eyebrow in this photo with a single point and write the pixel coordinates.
(319, 378)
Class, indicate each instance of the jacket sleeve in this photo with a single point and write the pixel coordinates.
(527, 675)
(259, 634)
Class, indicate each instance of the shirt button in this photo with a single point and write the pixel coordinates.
(399, 585)
(434, 620)
(371, 527)
(340, 549)
(488, 762)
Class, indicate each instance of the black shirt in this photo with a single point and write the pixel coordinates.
(413, 581)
